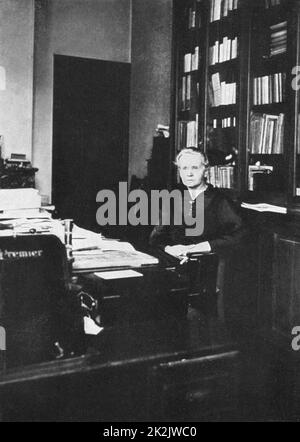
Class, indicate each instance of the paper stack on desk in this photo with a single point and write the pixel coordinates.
(91, 252)
(21, 214)
(112, 259)
(21, 203)
(85, 241)
(15, 199)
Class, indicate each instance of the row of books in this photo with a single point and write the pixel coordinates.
(266, 133)
(188, 133)
(278, 43)
(269, 89)
(270, 3)
(257, 169)
(220, 92)
(224, 123)
(222, 8)
(194, 18)
(191, 61)
(189, 90)
(221, 176)
(220, 52)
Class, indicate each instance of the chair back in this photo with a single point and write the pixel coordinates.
(33, 297)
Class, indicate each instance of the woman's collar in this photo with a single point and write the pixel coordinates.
(197, 191)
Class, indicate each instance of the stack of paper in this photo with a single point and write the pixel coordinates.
(85, 241)
(100, 259)
(15, 199)
(21, 203)
(92, 251)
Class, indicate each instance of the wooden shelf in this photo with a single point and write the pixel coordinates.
(229, 64)
(265, 154)
(186, 115)
(223, 111)
(275, 58)
(231, 19)
(270, 108)
(194, 73)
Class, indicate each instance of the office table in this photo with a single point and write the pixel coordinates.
(157, 358)
(153, 370)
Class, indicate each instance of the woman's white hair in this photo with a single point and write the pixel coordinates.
(192, 151)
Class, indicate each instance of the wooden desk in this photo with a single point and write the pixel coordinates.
(121, 377)
(160, 293)
(124, 373)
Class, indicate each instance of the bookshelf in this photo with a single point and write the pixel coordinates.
(267, 149)
(190, 59)
(235, 98)
(294, 157)
(223, 90)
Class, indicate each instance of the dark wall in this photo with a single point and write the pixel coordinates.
(150, 77)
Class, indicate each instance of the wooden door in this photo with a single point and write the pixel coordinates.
(90, 133)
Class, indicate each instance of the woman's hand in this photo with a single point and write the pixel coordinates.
(201, 247)
(179, 251)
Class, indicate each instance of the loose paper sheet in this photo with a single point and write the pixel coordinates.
(119, 274)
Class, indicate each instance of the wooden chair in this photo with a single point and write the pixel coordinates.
(202, 271)
(36, 309)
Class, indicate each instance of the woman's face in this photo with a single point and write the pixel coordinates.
(192, 170)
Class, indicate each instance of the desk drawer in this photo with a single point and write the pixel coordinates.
(120, 308)
(199, 389)
(156, 295)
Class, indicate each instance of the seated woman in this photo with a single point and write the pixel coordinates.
(222, 223)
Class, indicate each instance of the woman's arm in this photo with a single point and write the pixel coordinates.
(231, 226)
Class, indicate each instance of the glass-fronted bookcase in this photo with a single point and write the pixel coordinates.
(236, 93)
(294, 152)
